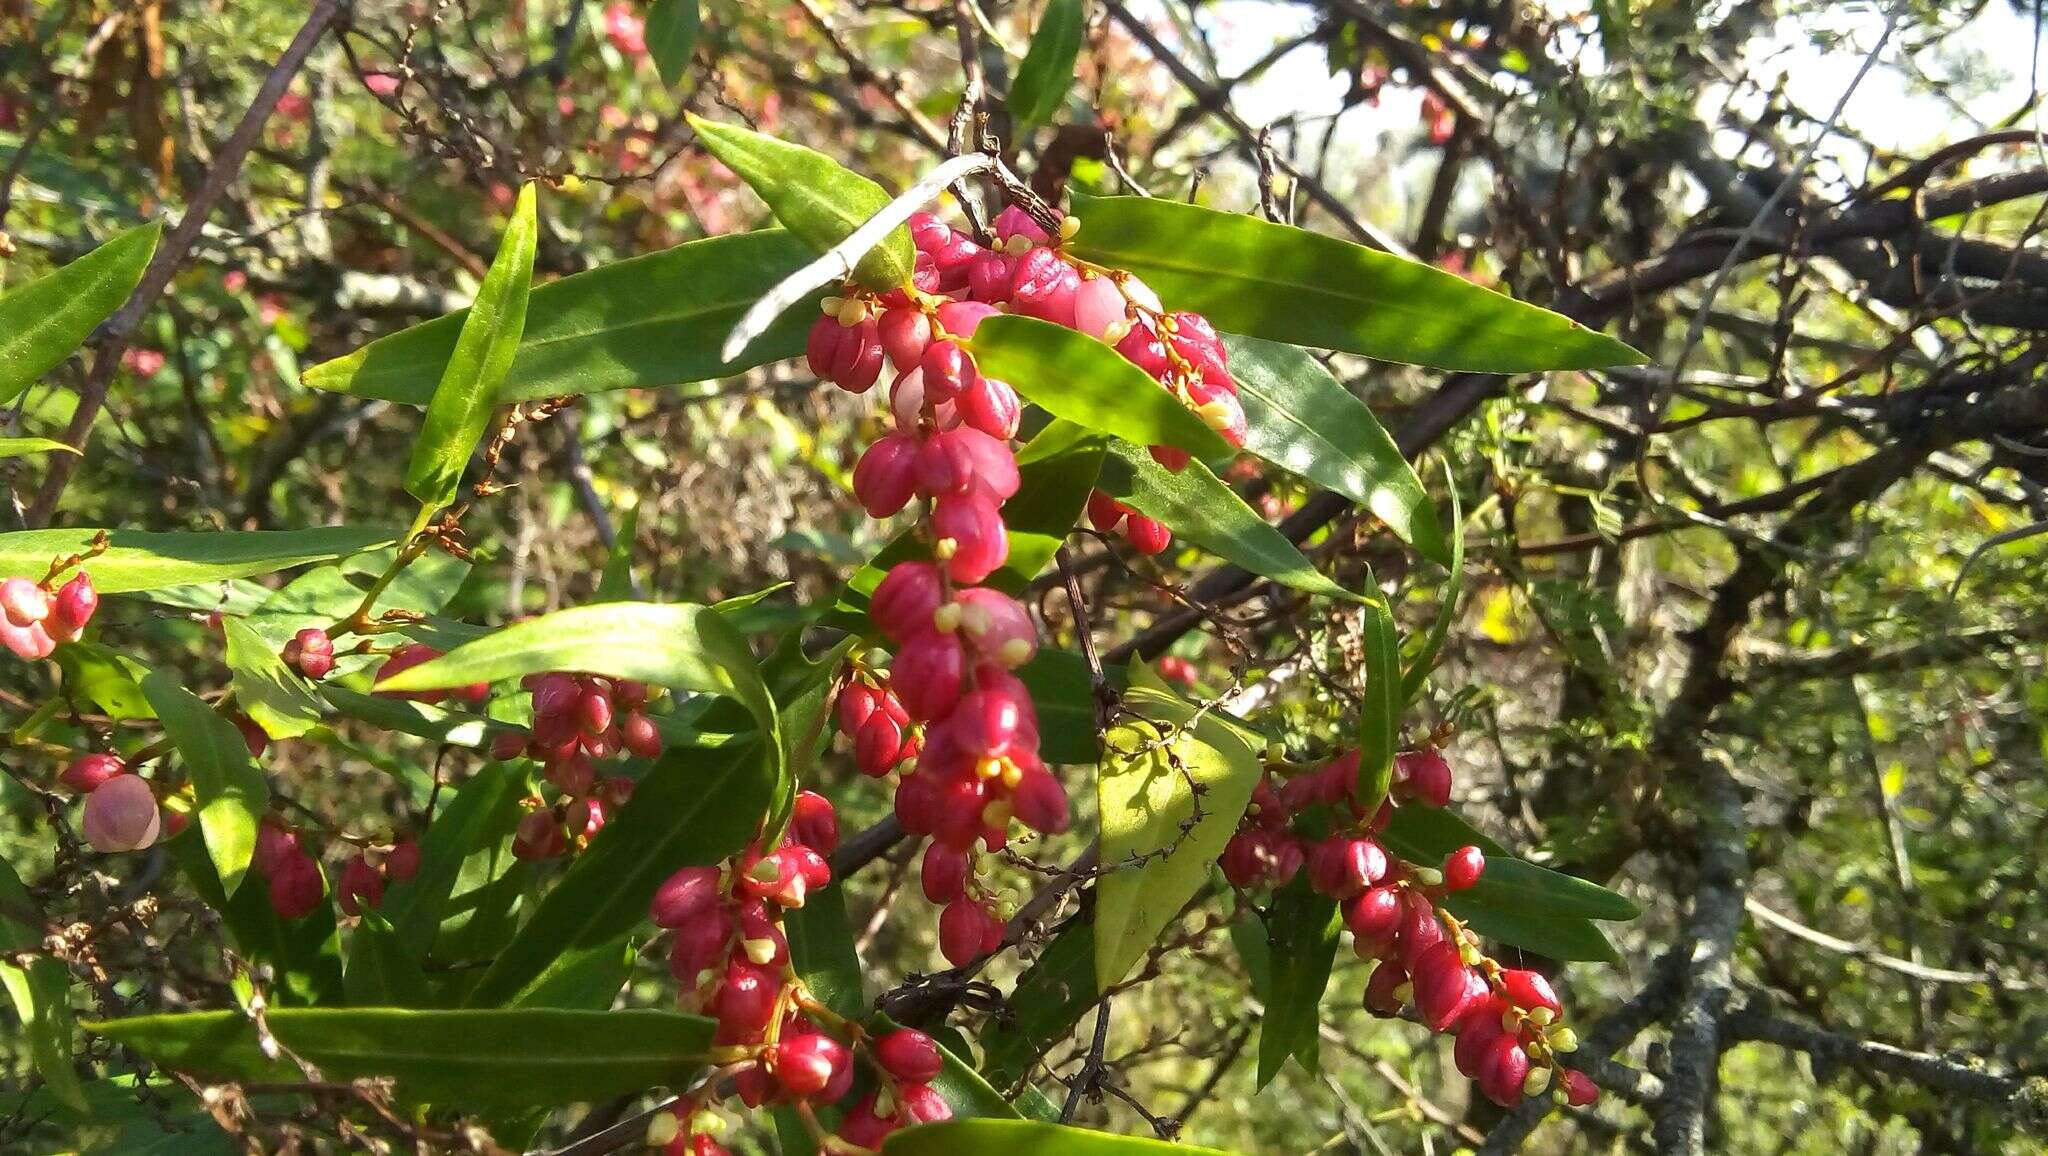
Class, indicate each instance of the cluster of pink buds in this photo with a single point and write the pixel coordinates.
(365, 875)
(578, 719)
(310, 652)
(731, 956)
(296, 884)
(121, 812)
(33, 619)
(1507, 1020)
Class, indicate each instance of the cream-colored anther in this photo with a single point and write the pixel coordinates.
(946, 619)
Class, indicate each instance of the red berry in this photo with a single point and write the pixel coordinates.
(963, 929)
(814, 822)
(923, 1105)
(639, 735)
(944, 873)
(1463, 867)
(1040, 802)
(1579, 1088)
(910, 1055)
(746, 1000)
(806, 1063)
(685, 896)
(296, 886)
(87, 772)
(1147, 536)
(1373, 917)
(1502, 1070)
(1528, 990)
(402, 862)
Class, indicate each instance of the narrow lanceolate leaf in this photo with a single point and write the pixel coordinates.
(671, 35)
(1158, 836)
(40, 988)
(676, 644)
(137, 560)
(1027, 1138)
(653, 320)
(231, 792)
(1048, 69)
(43, 321)
(484, 350)
(616, 583)
(267, 690)
(1379, 711)
(692, 808)
(1426, 648)
(814, 196)
(381, 972)
(1302, 931)
(1205, 512)
(1304, 421)
(522, 1056)
(1286, 284)
(18, 447)
(1073, 376)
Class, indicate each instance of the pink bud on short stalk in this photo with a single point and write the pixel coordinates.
(927, 674)
(945, 370)
(990, 277)
(1045, 287)
(74, 606)
(296, 887)
(360, 887)
(885, 478)
(814, 822)
(1424, 776)
(402, 862)
(31, 642)
(122, 815)
(1099, 308)
(943, 874)
(961, 318)
(958, 461)
(1015, 222)
(991, 406)
(905, 600)
(905, 333)
(973, 524)
(1146, 535)
(87, 772)
(23, 602)
(909, 1055)
(997, 627)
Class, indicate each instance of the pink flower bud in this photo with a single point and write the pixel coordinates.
(1502, 1071)
(1147, 536)
(989, 278)
(1383, 989)
(1424, 776)
(814, 823)
(539, 836)
(956, 461)
(857, 362)
(1476, 1035)
(946, 370)
(640, 735)
(296, 887)
(360, 886)
(1528, 990)
(1142, 348)
(909, 1055)
(1463, 867)
(1040, 802)
(885, 479)
(927, 675)
(922, 1104)
(822, 347)
(1196, 341)
(402, 862)
(75, 604)
(275, 842)
(905, 333)
(1373, 916)
(1015, 222)
(991, 406)
(974, 525)
(962, 318)
(805, 1063)
(964, 930)
(943, 874)
(1343, 866)
(878, 745)
(23, 602)
(997, 627)
(1098, 305)
(121, 815)
(905, 600)
(1045, 287)
(746, 1000)
(87, 772)
(1445, 989)
(685, 896)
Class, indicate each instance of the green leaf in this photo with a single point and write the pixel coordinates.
(522, 1056)
(1286, 284)
(1202, 510)
(40, 988)
(586, 978)
(1302, 930)
(43, 321)
(415, 906)
(110, 680)
(461, 407)
(138, 560)
(265, 688)
(1379, 710)
(1064, 696)
(1048, 68)
(1426, 648)
(1159, 838)
(1301, 419)
(1027, 1138)
(671, 35)
(821, 950)
(654, 320)
(692, 808)
(17, 447)
(1049, 999)
(230, 790)
(421, 720)
(814, 196)
(1073, 376)
(381, 972)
